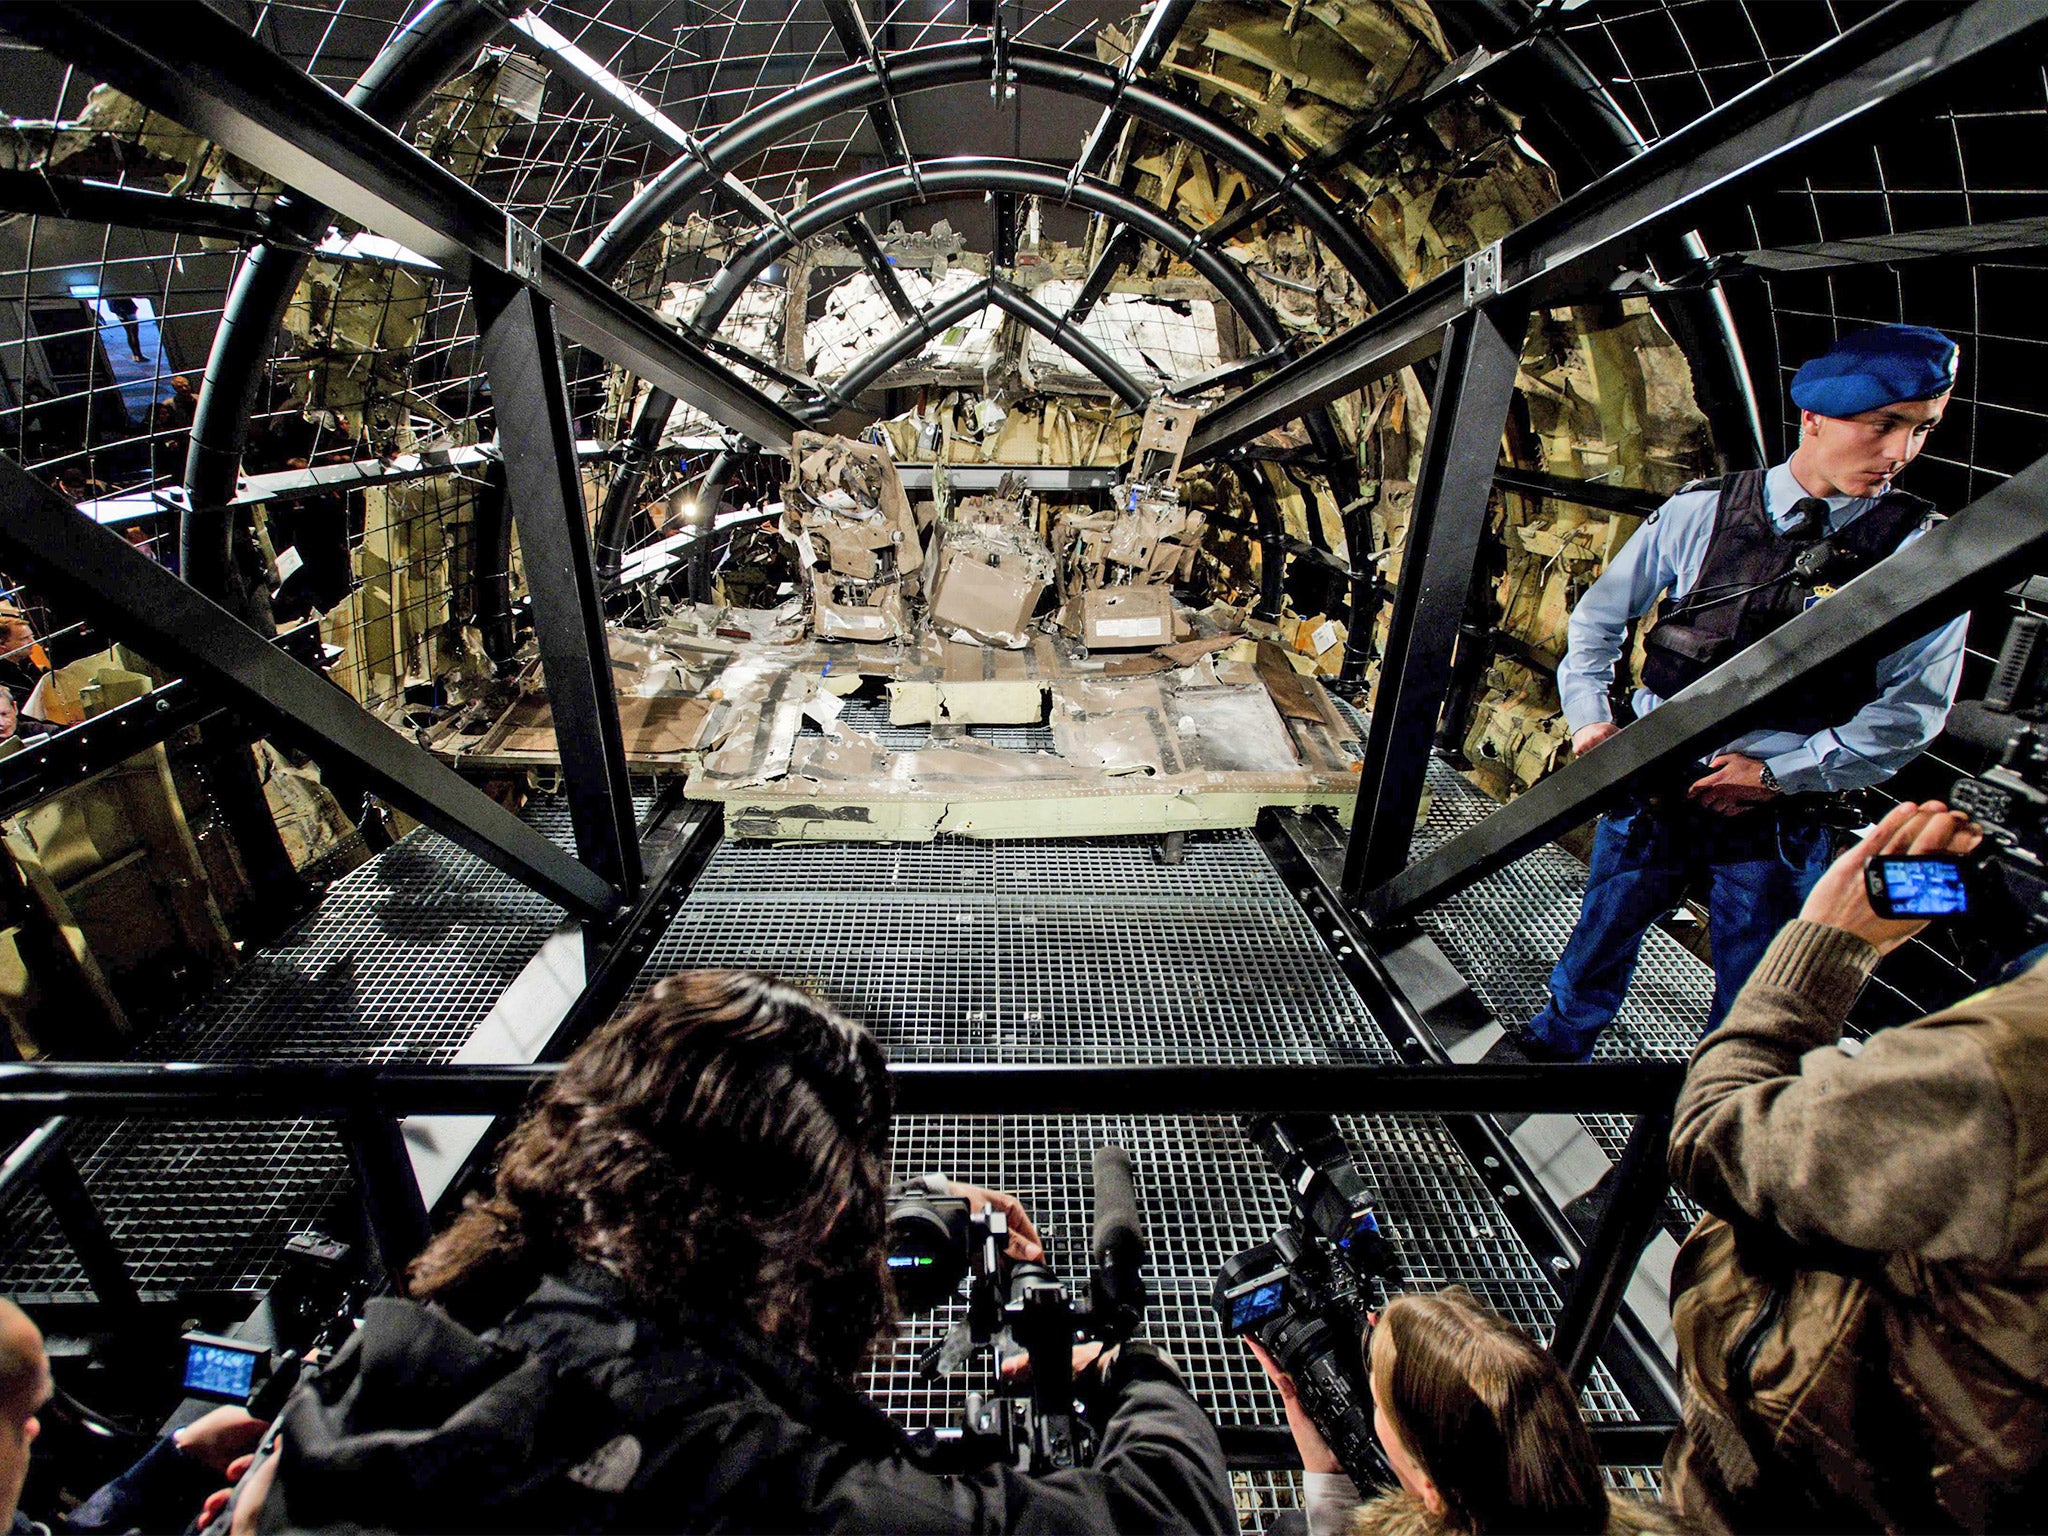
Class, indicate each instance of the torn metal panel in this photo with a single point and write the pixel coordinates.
(856, 540)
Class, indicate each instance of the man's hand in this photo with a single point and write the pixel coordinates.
(1736, 785)
(1587, 737)
(1024, 1241)
(220, 1438)
(1088, 1356)
(1840, 899)
(1309, 1444)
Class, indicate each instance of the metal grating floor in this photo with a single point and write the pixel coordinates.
(1504, 934)
(1050, 950)
(1066, 951)
(1042, 950)
(399, 963)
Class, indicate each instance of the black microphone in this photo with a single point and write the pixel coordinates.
(1975, 724)
(1118, 1242)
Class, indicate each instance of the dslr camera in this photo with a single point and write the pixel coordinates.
(1306, 1294)
(1015, 1307)
(314, 1307)
(2009, 800)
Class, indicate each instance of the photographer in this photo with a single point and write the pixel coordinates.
(657, 1319)
(1479, 1425)
(1861, 1326)
(180, 1476)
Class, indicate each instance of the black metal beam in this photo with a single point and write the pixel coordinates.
(1474, 388)
(1580, 246)
(968, 61)
(73, 561)
(1117, 250)
(1162, 25)
(322, 1089)
(394, 1209)
(1582, 493)
(522, 359)
(1003, 249)
(1069, 340)
(1999, 539)
(94, 202)
(880, 267)
(624, 491)
(192, 63)
(43, 1159)
(45, 764)
(858, 44)
(1641, 1183)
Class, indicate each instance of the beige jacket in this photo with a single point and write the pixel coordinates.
(1863, 1321)
(1402, 1514)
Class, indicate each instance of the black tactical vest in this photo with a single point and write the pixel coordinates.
(1746, 589)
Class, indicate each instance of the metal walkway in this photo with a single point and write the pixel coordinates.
(1046, 951)
(1504, 933)
(399, 963)
(1091, 952)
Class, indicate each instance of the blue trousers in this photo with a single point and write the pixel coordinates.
(1758, 868)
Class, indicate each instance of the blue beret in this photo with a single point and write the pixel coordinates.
(1879, 366)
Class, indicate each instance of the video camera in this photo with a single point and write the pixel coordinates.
(313, 1307)
(1307, 1293)
(1016, 1307)
(2009, 800)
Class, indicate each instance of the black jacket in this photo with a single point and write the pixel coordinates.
(572, 1415)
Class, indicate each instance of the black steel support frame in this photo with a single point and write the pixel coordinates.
(1474, 387)
(369, 1100)
(200, 68)
(44, 541)
(93, 202)
(936, 66)
(1578, 248)
(70, 756)
(1999, 539)
(1306, 850)
(538, 436)
(41, 1158)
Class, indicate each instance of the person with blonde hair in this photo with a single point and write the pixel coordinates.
(1480, 1427)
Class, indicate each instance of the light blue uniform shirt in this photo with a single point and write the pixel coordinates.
(1916, 685)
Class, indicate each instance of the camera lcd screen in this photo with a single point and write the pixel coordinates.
(1925, 887)
(214, 1370)
(1254, 1307)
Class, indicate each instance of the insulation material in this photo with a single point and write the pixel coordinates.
(1610, 398)
(399, 626)
(115, 138)
(857, 317)
(756, 323)
(857, 543)
(469, 115)
(1156, 339)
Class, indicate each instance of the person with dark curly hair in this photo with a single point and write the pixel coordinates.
(657, 1319)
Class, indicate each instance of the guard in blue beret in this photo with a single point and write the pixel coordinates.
(1732, 559)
